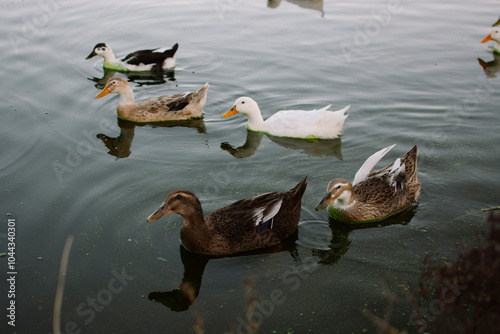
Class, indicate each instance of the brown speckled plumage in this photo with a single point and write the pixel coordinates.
(164, 108)
(234, 228)
(376, 197)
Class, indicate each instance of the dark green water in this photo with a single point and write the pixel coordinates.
(408, 69)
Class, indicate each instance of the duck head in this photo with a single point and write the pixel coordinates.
(338, 191)
(101, 49)
(114, 85)
(182, 202)
(248, 107)
(245, 105)
(493, 36)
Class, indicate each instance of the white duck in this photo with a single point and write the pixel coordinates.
(305, 124)
(493, 36)
(138, 61)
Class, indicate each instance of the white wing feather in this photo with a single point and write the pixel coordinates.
(265, 213)
(363, 172)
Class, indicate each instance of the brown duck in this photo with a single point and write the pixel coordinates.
(374, 196)
(164, 108)
(247, 224)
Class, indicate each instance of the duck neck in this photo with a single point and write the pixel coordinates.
(195, 234)
(127, 104)
(345, 201)
(255, 121)
(109, 58)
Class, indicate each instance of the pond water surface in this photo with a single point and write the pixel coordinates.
(410, 72)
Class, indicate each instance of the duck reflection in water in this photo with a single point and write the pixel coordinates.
(120, 146)
(320, 148)
(182, 298)
(307, 4)
(139, 78)
(492, 67)
(325, 249)
(329, 248)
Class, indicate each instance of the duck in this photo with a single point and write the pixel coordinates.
(184, 106)
(374, 196)
(303, 124)
(138, 61)
(494, 35)
(251, 223)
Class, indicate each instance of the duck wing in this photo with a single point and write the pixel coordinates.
(145, 57)
(393, 186)
(404, 168)
(364, 171)
(249, 214)
(151, 56)
(138, 53)
(275, 212)
(164, 104)
(177, 106)
(180, 101)
(317, 123)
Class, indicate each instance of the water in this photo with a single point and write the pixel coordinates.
(410, 72)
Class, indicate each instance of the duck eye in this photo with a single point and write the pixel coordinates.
(242, 102)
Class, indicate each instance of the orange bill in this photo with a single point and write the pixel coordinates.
(104, 92)
(231, 112)
(486, 39)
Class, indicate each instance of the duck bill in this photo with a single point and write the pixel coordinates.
(91, 55)
(231, 112)
(162, 211)
(104, 92)
(323, 204)
(486, 39)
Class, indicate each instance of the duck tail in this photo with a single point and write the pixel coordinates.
(201, 94)
(299, 189)
(410, 162)
(171, 52)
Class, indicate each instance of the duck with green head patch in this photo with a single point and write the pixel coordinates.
(374, 196)
(247, 224)
(304, 124)
(138, 61)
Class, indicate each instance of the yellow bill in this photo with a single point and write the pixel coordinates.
(231, 112)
